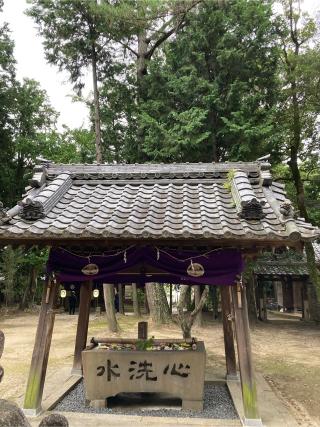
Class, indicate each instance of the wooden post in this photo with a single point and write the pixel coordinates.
(259, 298)
(305, 301)
(248, 386)
(82, 327)
(142, 330)
(40, 355)
(227, 316)
(264, 303)
(287, 294)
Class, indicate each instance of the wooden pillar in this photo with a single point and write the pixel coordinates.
(262, 300)
(264, 304)
(40, 355)
(259, 298)
(305, 301)
(82, 327)
(121, 298)
(142, 330)
(287, 290)
(231, 362)
(248, 386)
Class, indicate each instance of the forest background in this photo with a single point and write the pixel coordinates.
(172, 81)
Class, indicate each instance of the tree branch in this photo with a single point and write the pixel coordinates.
(199, 307)
(126, 46)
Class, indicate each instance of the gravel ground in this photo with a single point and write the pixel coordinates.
(217, 404)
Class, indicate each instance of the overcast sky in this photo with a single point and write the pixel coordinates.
(31, 62)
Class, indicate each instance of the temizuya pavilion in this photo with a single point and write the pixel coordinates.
(139, 214)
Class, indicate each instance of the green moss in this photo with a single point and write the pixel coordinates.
(32, 392)
(230, 176)
(250, 401)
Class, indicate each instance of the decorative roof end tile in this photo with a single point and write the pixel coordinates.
(248, 206)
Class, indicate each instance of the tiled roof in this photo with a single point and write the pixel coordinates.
(230, 201)
(286, 264)
(282, 269)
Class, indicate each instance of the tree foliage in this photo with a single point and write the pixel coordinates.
(185, 80)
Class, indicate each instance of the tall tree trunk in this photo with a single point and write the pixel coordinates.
(141, 67)
(9, 270)
(314, 285)
(97, 121)
(141, 63)
(158, 303)
(213, 136)
(187, 319)
(108, 293)
(251, 299)
(146, 304)
(135, 301)
(121, 298)
(197, 297)
(188, 304)
(170, 300)
(29, 290)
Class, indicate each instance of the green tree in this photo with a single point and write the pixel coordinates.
(300, 108)
(212, 89)
(68, 146)
(7, 102)
(73, 41)
(33, 117)
(9, 263)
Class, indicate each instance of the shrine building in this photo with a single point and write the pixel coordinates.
(191, 223)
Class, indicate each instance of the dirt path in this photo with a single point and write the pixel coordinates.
(286, 352)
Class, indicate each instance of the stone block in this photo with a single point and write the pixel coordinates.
(180, 373)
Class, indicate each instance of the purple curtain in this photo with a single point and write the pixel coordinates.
(216, 267)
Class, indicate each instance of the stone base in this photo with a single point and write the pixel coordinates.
(252, 422)
(77, 372)
(232, 377)
(101, 403)
(32, 412)
(193, 405)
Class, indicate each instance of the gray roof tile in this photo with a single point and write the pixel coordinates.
(157, 201)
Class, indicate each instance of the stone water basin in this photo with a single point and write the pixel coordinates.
(108, 372)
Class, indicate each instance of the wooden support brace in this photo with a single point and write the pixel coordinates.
(40, 355)
(82, 327)
(248, 386)
(231, 362)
